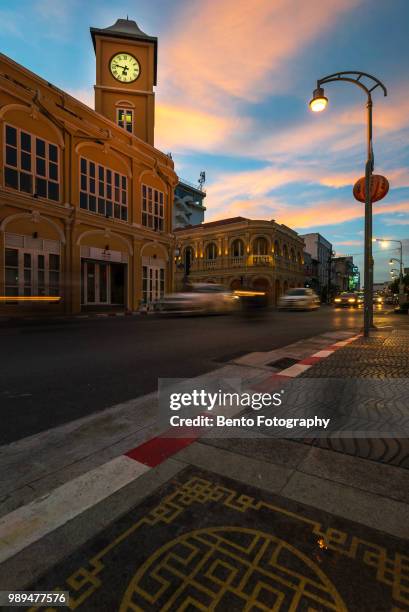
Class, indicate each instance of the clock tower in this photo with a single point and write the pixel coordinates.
(126, 67)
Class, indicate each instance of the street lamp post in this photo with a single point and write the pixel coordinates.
(319, 103)
(400, 261)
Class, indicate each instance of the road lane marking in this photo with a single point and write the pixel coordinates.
(32, 522)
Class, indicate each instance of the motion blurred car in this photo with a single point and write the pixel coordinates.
(378, 299)
(361, 298)
(300, 298)
(201, 298)
(252, 301)
(348, 300)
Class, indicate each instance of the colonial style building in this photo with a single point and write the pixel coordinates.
(86, 201)
(241, 253)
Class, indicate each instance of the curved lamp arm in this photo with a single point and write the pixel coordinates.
(348, 76)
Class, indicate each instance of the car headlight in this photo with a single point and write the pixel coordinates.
(351, 300)
(337, 300)
(379, 299)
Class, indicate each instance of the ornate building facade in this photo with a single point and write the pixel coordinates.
(86, 201)
(241, 253)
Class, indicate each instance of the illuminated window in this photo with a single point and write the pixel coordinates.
(125, 119)
(31, 164)
(103, 191)
(152, 208)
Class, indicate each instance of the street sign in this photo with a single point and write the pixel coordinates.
(379, 188)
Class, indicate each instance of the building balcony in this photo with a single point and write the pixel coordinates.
(210, 264)
(246, 263)
(261, 260)
(238, 261)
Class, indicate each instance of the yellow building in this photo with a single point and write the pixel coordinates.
(85, 198)
(241, 253)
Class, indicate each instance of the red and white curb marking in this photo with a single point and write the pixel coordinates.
(31, 522)
(303, 365)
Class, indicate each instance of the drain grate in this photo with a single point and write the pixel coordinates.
(284, 362)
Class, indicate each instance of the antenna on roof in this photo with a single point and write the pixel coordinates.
(202, 179)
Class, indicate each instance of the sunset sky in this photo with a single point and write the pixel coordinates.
(234, 81)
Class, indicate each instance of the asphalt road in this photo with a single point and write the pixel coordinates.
(56, 372)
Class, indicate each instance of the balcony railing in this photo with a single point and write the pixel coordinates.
(244, 261)
(262, 260)
(237, 261)
(209, 264)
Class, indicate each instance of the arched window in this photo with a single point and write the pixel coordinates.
(188, 258)
(211, 251)
(260, 246)
(292, 254)
(277, 250)
(237, 248)
(285, 251)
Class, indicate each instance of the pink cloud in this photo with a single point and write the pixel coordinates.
(208, 53)
(179, 128)
(349, 242)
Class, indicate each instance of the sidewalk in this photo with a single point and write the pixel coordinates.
(235, 523)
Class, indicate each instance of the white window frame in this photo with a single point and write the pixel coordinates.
(116, 197)
(153, 208)
(33, 156)
(153, 282)
(34, 280)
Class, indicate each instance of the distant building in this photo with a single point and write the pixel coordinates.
(381, 286)
(310, 272)
(320, 249)
(344, 274)
(241, 253)
(188, 205)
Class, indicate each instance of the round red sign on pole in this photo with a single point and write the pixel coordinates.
(379, 188)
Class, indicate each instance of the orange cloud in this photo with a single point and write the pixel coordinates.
(349, 242)
(181, 128)
(209, 53)
(303, 216)
(325, 213)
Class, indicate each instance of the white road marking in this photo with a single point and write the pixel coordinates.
(32, 522)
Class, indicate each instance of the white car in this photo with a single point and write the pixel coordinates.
(203, 298)
(300, 298)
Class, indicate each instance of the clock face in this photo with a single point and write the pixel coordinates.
(124, 67)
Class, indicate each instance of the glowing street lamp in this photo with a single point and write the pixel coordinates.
(319, 103)
(384, 243)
